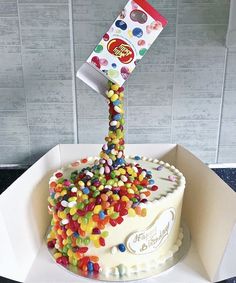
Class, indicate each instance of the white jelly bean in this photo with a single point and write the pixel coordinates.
(64, 203)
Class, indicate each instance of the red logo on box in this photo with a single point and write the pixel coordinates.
(121, 50)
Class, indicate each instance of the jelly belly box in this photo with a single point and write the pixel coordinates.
(123, 46)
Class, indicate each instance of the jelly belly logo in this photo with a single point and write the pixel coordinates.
(121, 50)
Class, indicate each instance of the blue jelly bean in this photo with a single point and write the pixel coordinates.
(122, 248)
(90, 266)
(149, 172)
(102, 215)
(117, 102)
(137, 32)
(76, 235)
(121, 24)
(114, 65)
(86, 191)
(137, 157)
(151, 182)
(117, 117)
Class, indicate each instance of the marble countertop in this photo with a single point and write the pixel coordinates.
(8, 176)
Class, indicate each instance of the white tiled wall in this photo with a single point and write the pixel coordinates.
(184, 91)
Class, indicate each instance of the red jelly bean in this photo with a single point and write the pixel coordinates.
(154, 188)
(51, 244)
(63, 260)
(123, 212)
(112, 222)
(119, 220)
(84, 160)
(102, 241)
(59, 175)
(117, 207)
(96, 267)
(82, 250)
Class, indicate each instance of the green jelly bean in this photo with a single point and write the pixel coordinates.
(80, 206)
(74, 262)
(113, 175)
(96, 193)
(85, 220)
(75, 217)
(89, 214)
(86, 241)
(79, 241)
(115, 215)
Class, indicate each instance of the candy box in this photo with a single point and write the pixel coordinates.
(123, 46)
(209, 210)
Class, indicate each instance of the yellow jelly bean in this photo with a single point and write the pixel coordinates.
(79, 193)
(114, 97)
(84, 197)
(110, 93)
(57, 255)
(63, 193)
(140, 178)
(59, 231)
(144, 212)
(72, 199)
(101, 187)
(73, 210)
(70, 253)
(125, 198)
(97, 209)
(69, 232)
(94, 237)
(120, 183)
(62, 214)
(115, 87)
(116, 197)
(96, 244)
(130, 191)
(110, 210)
(131, 212)
(89, 229)
(81, 184)
(64, 242)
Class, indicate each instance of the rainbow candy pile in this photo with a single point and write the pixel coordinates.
(95, 197)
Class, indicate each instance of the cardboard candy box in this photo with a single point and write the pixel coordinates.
(123, 46)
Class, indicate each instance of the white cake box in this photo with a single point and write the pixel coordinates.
(123, 46)
(209, 210)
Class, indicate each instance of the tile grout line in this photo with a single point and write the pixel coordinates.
(23, 77)
(72, 50)
(221, 107)
(174, 76)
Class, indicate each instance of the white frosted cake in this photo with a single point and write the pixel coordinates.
(126, 239)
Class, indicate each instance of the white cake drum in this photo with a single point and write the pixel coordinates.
(148, 240)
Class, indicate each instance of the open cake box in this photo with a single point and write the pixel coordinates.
(209, 210)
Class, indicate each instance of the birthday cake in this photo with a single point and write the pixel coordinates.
(114, 214)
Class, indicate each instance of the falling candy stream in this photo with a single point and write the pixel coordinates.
(101, 194)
